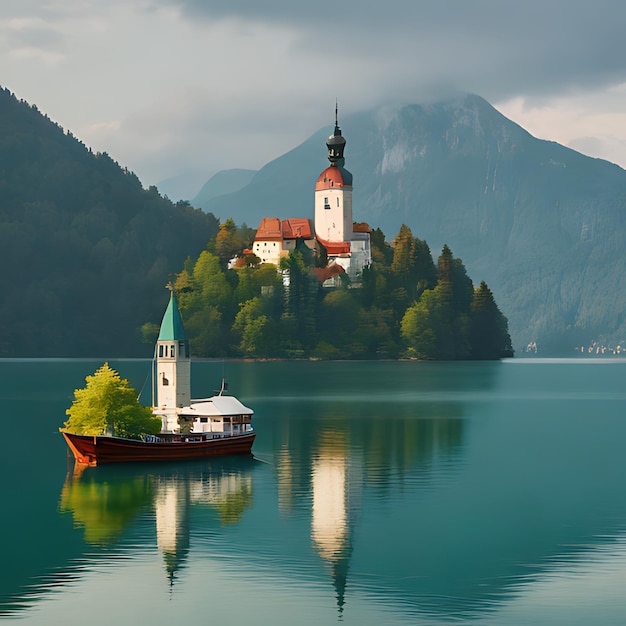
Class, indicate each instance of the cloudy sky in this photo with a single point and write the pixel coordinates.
(171, 86)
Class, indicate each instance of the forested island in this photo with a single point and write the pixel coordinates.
(407, 306)
(86, 252)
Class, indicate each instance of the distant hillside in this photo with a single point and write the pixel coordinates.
(542, 224)
(222, 183)
(86, 251)
(182, 187)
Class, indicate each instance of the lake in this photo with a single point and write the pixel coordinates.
(388, 493)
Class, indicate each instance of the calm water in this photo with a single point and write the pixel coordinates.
(380, 493)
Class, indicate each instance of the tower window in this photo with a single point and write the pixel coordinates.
(172, 351)
(337, 200)
(166, 382)
(160, 351)
(326, 203)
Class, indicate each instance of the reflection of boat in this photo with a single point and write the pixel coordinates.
(191, 429)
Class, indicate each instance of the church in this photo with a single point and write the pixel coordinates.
(346, 244)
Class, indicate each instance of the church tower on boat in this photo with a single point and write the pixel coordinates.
(172, 375)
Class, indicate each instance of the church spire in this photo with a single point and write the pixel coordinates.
(336, 143)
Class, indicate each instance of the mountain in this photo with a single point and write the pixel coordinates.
(183, 186)
(542, 224)
(86, 251)
(222, 183)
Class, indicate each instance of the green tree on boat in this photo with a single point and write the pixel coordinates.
(109, 405)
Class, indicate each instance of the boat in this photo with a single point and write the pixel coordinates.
(190, 429)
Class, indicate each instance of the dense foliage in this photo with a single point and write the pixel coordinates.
(543, 225)
(86, 252)
(406, 307)
(85, 249)
(109, 405)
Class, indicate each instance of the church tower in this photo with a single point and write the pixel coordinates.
(172, 369)
(333, 195)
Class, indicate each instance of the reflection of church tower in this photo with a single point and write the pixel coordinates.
(335, 498)
(172, 375)
(172, 522)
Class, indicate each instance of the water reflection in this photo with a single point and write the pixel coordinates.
(104, 506)
(416, 504)
(336, 483)
(104, 502)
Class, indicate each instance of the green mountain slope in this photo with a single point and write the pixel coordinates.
(542, 224)
(85, 250)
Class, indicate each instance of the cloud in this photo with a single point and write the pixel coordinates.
(497, 48)
(169, 85)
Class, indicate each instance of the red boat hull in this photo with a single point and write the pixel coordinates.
(94, 450)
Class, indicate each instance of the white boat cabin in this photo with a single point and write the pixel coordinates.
(219, 414)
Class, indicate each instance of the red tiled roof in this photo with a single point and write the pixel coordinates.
(297, 228)
(335, 247)
(330, 177)
(269, 230)
(324, 273)
(361, 227)
(274, 229)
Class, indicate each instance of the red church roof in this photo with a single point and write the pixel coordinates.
(331, 177)
(335, 247)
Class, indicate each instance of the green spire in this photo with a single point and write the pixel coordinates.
(172, 325)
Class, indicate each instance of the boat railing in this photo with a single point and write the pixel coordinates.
(198, 437)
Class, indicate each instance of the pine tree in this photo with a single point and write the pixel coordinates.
(489, 333)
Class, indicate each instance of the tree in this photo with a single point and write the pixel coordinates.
(298, 323)
(338, 315)
(489, 333)
(256, 329)
(227, 243)
(412, 264)
(108, 404)
(424, 328)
